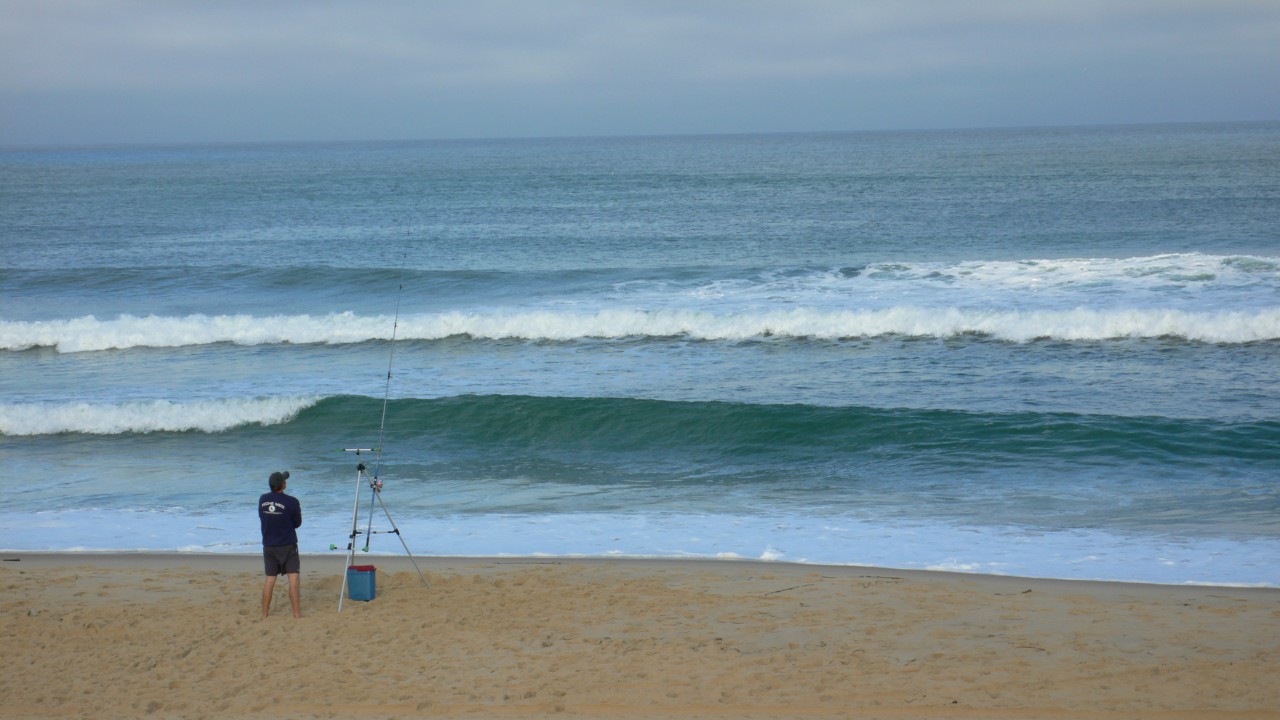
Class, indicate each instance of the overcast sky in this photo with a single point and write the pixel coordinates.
(106, 71)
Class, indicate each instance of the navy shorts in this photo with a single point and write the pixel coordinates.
(281, 559)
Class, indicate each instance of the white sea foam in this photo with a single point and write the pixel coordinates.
(147, 416)
(1073, 554)
(1139, 281)
(1079, 324)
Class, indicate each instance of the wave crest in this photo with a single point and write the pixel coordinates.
(128, 331)
(146, 416)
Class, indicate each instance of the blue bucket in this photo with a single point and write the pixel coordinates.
(362, 582)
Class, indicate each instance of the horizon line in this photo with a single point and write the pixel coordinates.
(105, 145)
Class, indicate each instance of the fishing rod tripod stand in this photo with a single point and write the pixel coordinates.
(375, 491)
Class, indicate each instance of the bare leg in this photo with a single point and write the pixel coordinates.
(267, 588)
(295, 593)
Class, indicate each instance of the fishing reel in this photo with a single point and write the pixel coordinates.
(374, 483)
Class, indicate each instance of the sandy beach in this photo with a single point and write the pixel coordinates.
(179, 636)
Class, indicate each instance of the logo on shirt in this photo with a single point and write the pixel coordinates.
(271, 507)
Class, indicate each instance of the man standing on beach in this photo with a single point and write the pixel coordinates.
(281, 515)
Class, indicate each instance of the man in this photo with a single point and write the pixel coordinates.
(281, 515)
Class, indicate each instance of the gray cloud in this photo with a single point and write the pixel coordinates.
(149, 70)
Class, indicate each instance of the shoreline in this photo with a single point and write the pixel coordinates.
(403, 564)
(179, 635)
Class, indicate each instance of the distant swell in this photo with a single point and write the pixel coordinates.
(90, 334)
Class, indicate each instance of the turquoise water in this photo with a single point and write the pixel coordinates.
(1046, 352)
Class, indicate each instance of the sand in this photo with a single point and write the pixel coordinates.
(180, 636)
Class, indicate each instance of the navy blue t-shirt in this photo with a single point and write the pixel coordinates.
(280, 515)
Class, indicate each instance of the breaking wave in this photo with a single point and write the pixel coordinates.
(522, 427)
(1080, 324)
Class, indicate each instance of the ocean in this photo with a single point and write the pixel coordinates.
(1044, 352)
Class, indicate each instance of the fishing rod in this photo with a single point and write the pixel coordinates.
(391, 356)
(375, 484)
